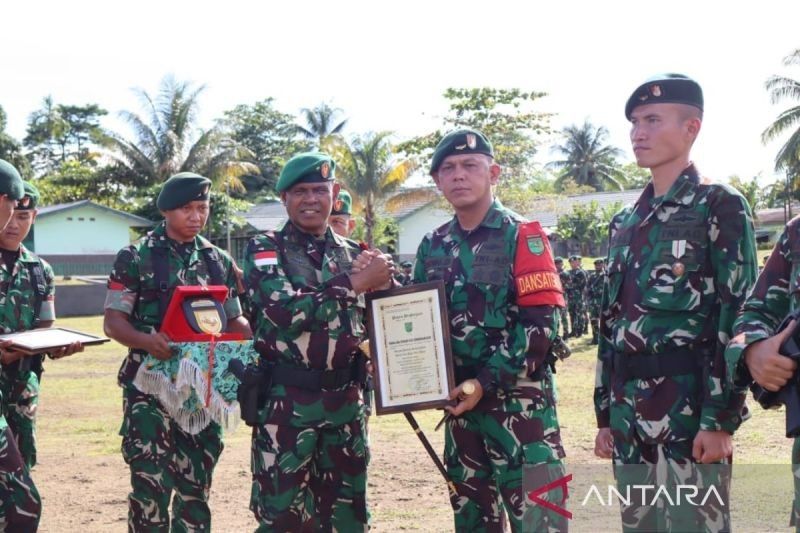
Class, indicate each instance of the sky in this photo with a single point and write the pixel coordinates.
(387, 64)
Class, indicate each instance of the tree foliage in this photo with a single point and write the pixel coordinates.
(270, 135)
(586, 159)
(321, 124)
(783, 88)
(587, 224)
(58, 133)
(11, 149)
(371, 170)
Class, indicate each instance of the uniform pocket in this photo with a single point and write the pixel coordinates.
(617, 266)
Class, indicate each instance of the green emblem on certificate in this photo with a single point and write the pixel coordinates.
(409, 327)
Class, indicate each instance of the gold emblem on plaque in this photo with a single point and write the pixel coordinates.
(206, 316)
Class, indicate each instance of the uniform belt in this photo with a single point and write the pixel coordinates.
(314, 380)
(677, 362)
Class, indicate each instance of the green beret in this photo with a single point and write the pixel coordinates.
(406, 264)
(31, 198)
(10, 181)
(599, 261)
(559, 259)
(181, 189)
(343, 204)
(574, 258)
(464, 141)
(666, 89)
(308, 167)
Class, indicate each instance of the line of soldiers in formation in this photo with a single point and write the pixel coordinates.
(683, 329)
(583, 293)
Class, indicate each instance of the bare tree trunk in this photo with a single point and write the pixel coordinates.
(369, 218)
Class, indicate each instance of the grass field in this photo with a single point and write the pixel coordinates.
(80, 415)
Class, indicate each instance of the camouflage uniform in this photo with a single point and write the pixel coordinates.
(20, 388)
(575, 301)
(594, 295)
(162, 457)
(20, 504)
(309, 453)
(679, 266)
(566, 282)
(774, 296)
(500, 344)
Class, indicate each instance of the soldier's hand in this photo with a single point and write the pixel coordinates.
(712, 446)
(362, 260)
(603, 443)
(769, 368)
(375, 275)
(465, 402)
(7, 355)
(65, 351)
(158, 346)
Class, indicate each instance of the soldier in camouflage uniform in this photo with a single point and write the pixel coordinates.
(309, 451)
(753, 352)
(680, 262)
(594, 295)
(20, 503)
(565, 283)
(165, 461)
(26, 302)
(575, 296)
(501, 326)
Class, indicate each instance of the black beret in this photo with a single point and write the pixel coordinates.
(308, 167)
(458, 142)
(574, 258)
(10, 181)
(181, 189)
(666, 89)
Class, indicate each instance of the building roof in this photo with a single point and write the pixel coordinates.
(546, 211)
(135, 220)
(266, 216)
(774, 216)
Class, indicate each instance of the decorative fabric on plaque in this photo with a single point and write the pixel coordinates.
(181, 383)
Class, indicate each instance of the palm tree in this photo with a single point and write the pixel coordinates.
(788, 156)
(370, 170)
(322, 123)
(587, 160)
(167, 140)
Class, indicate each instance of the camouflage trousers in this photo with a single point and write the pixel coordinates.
(577, 316)
(310, 479)
(670, 464)
(20, 401)
(594, 319)
(166, 463)
(485, 454)
(20, 504)
(564, 322)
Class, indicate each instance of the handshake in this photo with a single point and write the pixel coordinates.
(372, 270)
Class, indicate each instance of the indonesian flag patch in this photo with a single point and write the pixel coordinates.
(268, 258)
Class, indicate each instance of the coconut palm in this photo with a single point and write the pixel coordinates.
(167, 140)
(370, 170)
(587, 160)
(322, 123)
(782, 88)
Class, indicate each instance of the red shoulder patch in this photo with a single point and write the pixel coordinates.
(535, 274)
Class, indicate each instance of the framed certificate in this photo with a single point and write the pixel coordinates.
(43, 340)
(410, 348)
